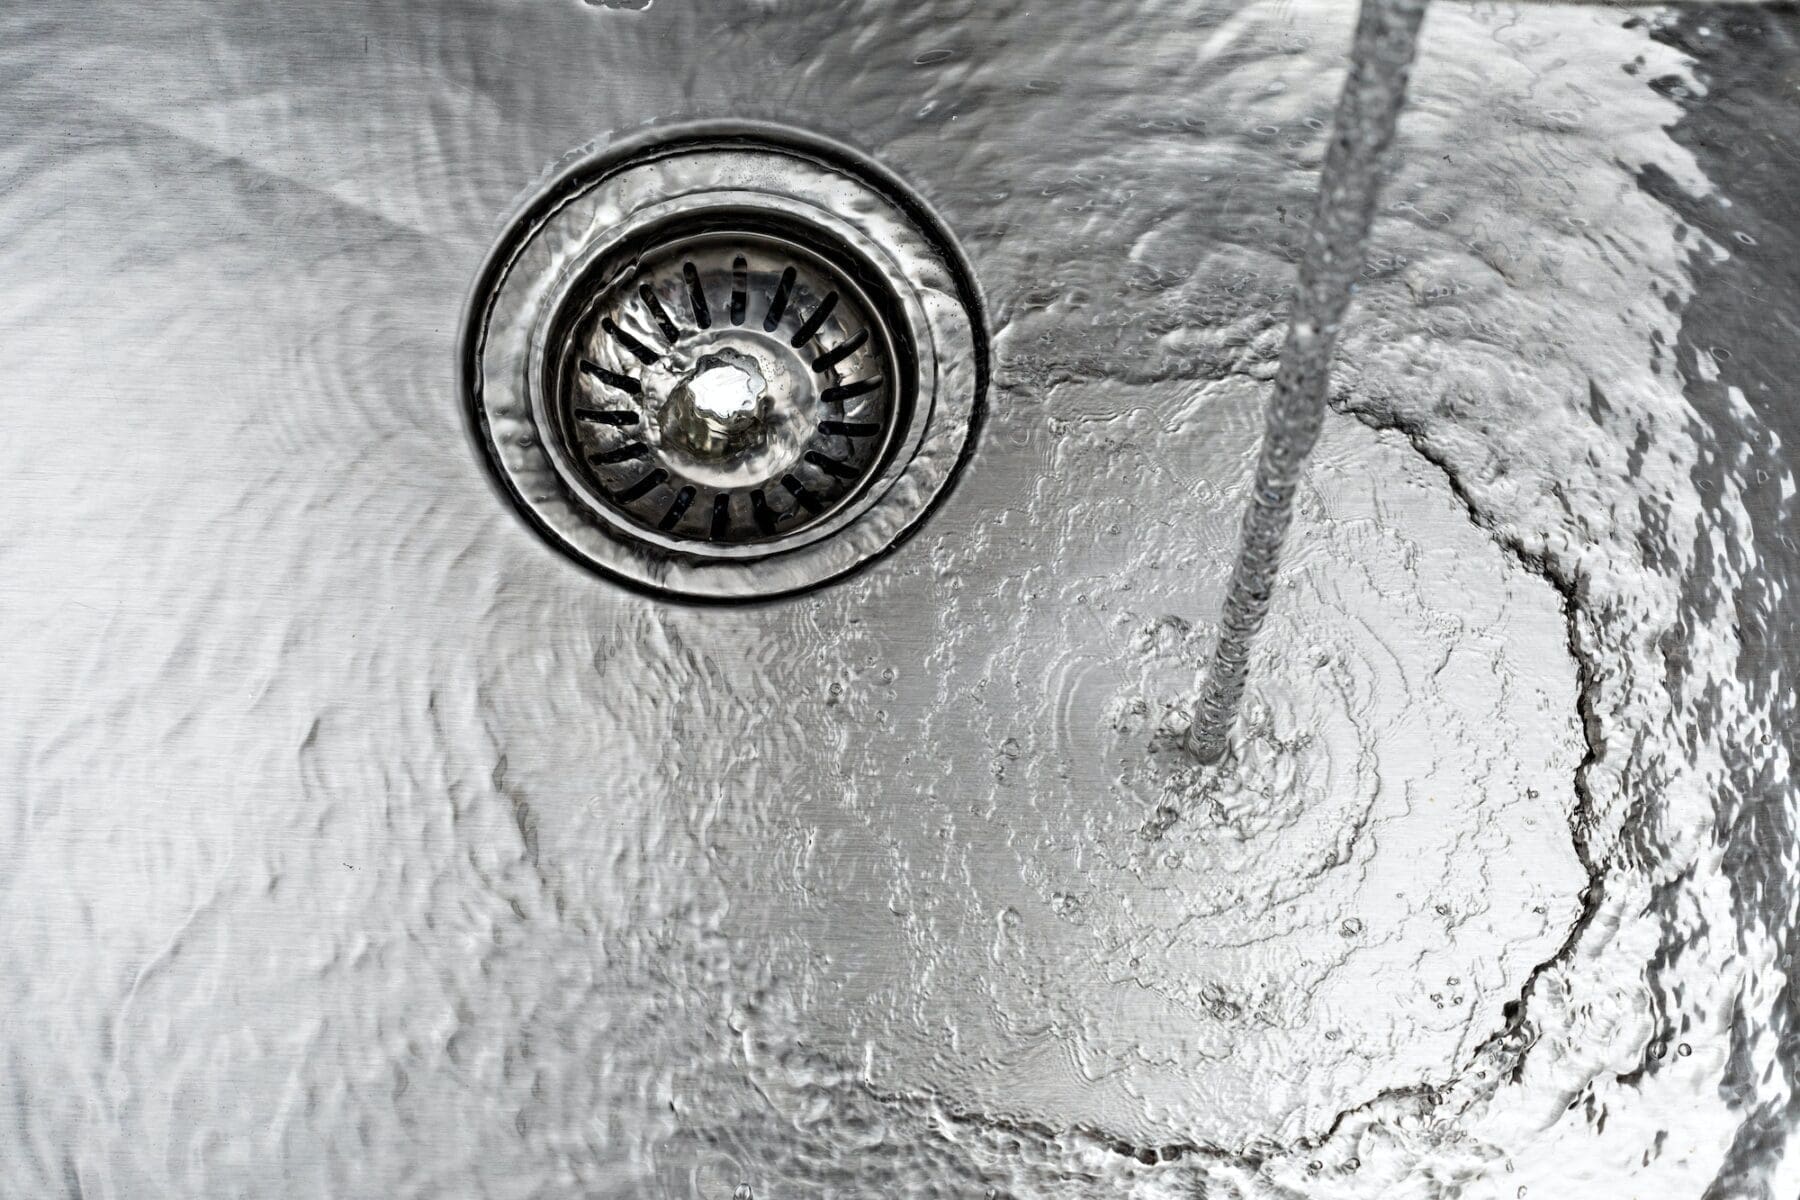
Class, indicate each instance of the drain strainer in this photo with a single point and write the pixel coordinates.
(724, 364)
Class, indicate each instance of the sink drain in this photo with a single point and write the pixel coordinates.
(729, 388)
(724, 364)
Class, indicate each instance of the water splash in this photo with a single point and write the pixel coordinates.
(1374, 92)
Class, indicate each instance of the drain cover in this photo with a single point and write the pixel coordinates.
(725, 363)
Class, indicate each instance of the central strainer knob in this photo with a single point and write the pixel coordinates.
(721, 406)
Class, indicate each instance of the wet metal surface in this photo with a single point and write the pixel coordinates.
(357, 843)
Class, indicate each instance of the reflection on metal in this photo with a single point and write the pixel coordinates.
(724, 366)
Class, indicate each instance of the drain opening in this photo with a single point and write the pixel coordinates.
(680, 423)
(725, 366)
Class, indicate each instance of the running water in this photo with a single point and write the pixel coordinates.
(1382, 55)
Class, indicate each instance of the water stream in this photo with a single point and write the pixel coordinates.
(1349, 183)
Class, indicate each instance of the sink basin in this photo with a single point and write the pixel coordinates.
(358, 839)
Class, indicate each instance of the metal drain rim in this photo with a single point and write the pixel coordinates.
(821, 182)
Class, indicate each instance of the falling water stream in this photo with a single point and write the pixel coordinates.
(1374, 93)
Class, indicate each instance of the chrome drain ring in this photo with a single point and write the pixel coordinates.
(724, 364)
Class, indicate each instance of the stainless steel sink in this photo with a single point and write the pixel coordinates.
(360, 838)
